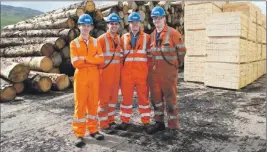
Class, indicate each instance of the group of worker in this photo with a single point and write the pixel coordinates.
(134, 61)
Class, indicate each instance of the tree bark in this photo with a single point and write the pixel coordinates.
(44, 49)
(7, 91)
(41, 63)
(59, 81)
(38, 83)
(98, 15)
(56, 59)
(65, 52)
(54, 70)
(58, 24)
(58, 42)
(14, 72)
(19, 87)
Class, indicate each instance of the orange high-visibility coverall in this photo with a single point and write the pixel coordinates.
(110, 78)
(163, 74)
(86, 59)
(134, 74)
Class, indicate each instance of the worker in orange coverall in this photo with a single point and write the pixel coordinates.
(134, 72)
(167, 49)
(110, 74)
(86, 56)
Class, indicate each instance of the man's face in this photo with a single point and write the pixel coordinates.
(85, 28)
(135, 26)
(159, 21)
(113, 27)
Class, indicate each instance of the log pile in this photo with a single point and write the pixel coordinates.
(39, 46)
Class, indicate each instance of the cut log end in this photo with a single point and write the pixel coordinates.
(62, 82)
(72, 35)
(46, 64)
(71, 23)
(19, 73)
(44, 84)
(90, 6)
(7, 94)
(79, 11)
(19, 87)
(47, 49)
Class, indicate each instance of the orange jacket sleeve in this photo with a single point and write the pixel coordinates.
(98, 58)
(178, 41)
(101, 41)
(149, 55)
(76, 60)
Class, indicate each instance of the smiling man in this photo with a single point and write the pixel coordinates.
(110, 74)
(167, 49)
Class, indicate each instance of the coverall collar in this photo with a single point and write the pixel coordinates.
(80, 38)
(109, 35)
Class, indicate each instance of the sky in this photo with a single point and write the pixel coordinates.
(46, 6)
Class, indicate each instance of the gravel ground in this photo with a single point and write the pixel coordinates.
(211, 120)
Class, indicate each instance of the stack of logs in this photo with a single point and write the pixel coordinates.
(36, 51)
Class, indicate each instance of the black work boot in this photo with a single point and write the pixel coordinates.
(97, 136)
(146, 126)
(108, 130)
(159, 126)
(112, 125)
(79, 142)
(122, 126)
(169, 134)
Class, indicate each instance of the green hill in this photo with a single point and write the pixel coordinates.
(12, 15)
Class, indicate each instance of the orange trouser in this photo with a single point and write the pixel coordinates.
(86, 85)
(162, 82)
(127, 88)
(108, 95)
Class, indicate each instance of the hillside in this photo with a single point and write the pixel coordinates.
(12, 15)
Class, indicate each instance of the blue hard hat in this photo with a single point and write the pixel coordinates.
(134, 17)
(113, 17)
(85, 19)
(157, 11)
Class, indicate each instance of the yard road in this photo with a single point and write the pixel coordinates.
(211, 120)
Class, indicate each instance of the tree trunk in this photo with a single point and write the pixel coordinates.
(120, 5)
(98, 15)
(41, 63)
(67, 34)
(54, 70)
(58, 42)
(100, 32)
(132, 5)
(65, 52)
(125, 8)
(7, 91)
(140, 2)
(19, 87)
(44, 49)
(67, 68)
(59, 81)
(150, 5)
(89, 6)
(142, 14)
(38, 83)
(121, 14)
(56, 59)
(14, 72)
(164, 4)
(126, 20)
(60, 23)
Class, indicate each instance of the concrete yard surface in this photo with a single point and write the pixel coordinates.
(211, 120)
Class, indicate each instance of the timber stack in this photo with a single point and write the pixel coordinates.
(38, 48)
(234, 54)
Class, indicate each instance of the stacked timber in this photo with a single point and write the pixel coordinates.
(235, 55)
(196, 15)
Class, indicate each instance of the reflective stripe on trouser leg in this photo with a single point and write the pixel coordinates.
(170, 91)
(144, 106)
(80, 100)
(92, 103)
(156, 96)
(103, 114)
(127, 89)
(114, 96)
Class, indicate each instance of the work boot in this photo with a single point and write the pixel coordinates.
(122, 126)
(112, 125)
(97, 136)
(158, 126)
(146, 126)
(79, 142)
(108, 130)
(169, 134)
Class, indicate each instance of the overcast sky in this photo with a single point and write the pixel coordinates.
(46, 6)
